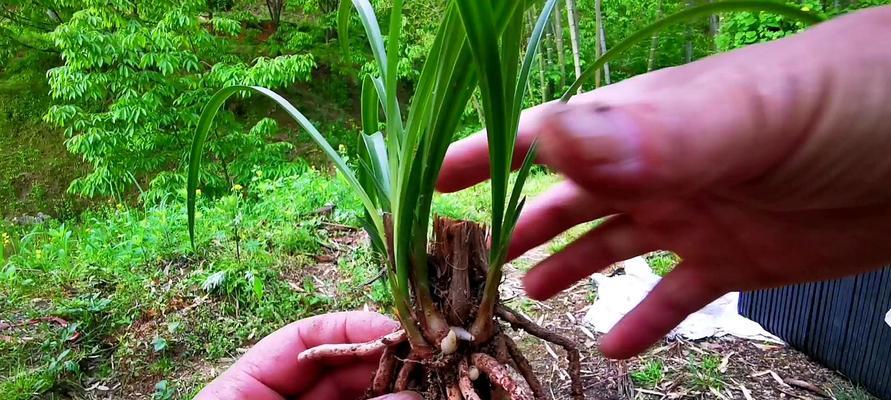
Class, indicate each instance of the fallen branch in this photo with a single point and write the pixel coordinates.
(465, 382)
(517, 321)
(503, 376)
(525, 369)
(806, 386)
(353, 349)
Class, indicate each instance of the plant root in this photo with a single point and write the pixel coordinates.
(525, 369)
(353, 350)
(504, 376)
(404, 377)
(385, 371)
(465, 383)
(517, 321)
(453, 392)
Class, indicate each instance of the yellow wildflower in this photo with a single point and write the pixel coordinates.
(805, 8)
(237, 188)
(198, 192)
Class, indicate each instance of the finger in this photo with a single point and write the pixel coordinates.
(560, 208)
(273, 361)
(467, 161)
(343, 384)
(615, 240)
(681, 293)
(724, 120)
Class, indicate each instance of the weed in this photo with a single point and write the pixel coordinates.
(851, 393)
(705, 373)
(662, 262)
(650, 374)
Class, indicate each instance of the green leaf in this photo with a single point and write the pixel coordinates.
(205, 123)
(343, 26)
(370, 106)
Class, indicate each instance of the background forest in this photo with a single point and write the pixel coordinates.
(99, 289)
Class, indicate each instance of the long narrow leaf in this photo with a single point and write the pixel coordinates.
(343, 26)
(478, 21)
(206, 121)
(373, 32)
(689, 13)
(379, 165)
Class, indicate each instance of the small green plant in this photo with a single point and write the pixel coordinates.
(662, 262)
(705, 373)
(164, 390)
(650, 374)
(851, 393)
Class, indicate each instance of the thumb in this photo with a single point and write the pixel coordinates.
(727, 119)
(400, 396)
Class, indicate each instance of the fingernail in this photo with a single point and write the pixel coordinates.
(400, 396)
(591, 134)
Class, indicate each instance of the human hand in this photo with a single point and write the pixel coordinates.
(760, 167)
(271, 371)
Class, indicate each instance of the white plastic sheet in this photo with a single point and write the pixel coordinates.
(617, 295)
(888, 318)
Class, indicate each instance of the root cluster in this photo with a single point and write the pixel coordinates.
(490, 369)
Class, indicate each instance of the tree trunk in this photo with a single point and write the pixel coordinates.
(275, 8)
(572, 16)
(654, 40)
(542, 65)
(688, 47)
(601, 38)
(561, 49)
(714, 24)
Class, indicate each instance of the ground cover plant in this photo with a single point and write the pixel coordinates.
(445, 293)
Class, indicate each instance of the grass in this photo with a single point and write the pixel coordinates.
(650, 374)
(144, 308)
(705, 373)
(852, 393)
(150, 315)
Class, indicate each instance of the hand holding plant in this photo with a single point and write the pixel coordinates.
(270, 371)
(762, 167)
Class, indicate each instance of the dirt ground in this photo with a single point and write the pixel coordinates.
(718, 368)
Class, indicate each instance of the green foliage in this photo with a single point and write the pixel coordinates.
(133, 81)
(662, 262)
(705, 373)
(650, 374)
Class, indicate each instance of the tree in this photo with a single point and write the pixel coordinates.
(654, 40)
(600, 44)
(136, 76)
(574, 36)
(561, 48)
(275, 8)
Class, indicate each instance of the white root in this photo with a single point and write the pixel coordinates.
(463, 334)
(352, 349)
(449, 344)
(464, 381)
(473, 373)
